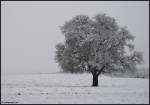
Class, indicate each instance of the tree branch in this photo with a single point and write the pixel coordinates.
(99, 72)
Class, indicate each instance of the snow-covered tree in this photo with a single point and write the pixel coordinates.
(96, 45)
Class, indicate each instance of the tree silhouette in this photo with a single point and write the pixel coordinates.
(96, 45)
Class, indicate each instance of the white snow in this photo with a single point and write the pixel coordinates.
(63, 88)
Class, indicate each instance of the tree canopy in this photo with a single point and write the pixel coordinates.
(96, 45)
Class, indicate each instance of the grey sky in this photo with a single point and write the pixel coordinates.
(30, 29)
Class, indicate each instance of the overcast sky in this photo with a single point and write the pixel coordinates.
(30, 29)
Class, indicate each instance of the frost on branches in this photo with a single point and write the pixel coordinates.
(97, 46)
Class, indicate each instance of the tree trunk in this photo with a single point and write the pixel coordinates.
(95, 80)
(95, 72)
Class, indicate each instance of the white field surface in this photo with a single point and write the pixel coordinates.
(60, 88)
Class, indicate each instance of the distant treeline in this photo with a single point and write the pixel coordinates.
(138, 73)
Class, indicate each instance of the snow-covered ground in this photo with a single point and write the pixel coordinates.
(72, 88)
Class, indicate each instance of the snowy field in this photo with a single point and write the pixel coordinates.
(72, 88)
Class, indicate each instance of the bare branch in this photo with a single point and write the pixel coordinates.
(99, 72)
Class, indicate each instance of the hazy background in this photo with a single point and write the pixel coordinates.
(30, 30)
